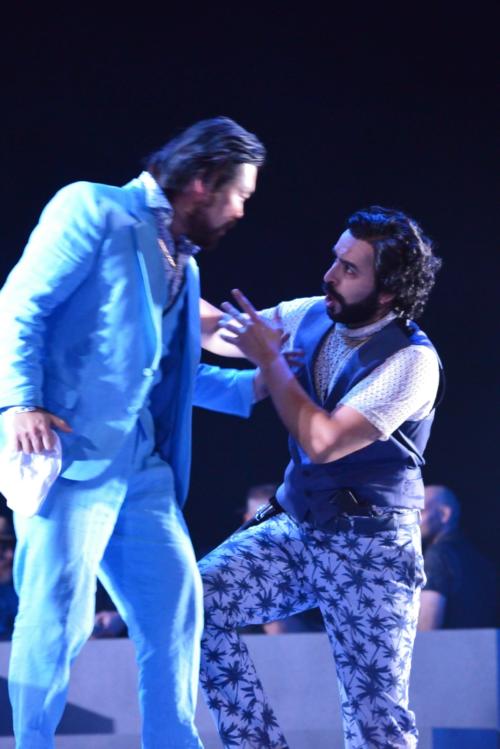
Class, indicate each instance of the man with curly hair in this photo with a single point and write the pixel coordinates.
(347, 537)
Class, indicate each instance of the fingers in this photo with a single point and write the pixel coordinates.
(37, 440)
(32, 442)
(245, 305)
(60, 424)
(232, 327)
(294, 359)
(33, 433)
(229, 339)
(232, 311)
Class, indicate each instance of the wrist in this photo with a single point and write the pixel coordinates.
(274, 363)
(21, 409)
(260, 390)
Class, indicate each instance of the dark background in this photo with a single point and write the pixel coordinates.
(373, 104)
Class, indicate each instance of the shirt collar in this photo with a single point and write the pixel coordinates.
(155, 197)
(157, 200)
(367, 330)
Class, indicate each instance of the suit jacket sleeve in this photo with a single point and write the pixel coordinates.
(58, 257)
(225, 390)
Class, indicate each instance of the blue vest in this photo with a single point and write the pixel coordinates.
(386, 473)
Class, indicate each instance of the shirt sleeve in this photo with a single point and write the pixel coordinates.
(403, 388)
(291, 313)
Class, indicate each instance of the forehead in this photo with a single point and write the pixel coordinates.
(355, 251)
(245, 178)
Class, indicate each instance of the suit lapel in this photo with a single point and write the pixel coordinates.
(149, 257)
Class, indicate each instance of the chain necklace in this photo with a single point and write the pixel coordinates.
(167, 254)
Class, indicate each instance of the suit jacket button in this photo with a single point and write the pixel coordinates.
(132, 409)
(148, 372)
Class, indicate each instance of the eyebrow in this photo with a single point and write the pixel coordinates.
(345, 263)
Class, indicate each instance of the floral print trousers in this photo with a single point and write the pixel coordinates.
(367, 587)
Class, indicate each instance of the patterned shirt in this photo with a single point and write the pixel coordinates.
(402, 388)
(183, 248)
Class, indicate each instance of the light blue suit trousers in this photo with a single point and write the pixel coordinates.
(127, 527)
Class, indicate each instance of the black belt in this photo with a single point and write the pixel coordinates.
(367, 525)
(354, 517)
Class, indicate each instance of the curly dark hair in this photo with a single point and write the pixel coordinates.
(404, 261)
(211, 148)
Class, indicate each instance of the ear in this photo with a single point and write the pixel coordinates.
(197, 187)
(445, 513)
(385, 298)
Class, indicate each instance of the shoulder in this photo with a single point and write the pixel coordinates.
(86, 196)
(414, 365)
(298, 306)
(291, 313)
(91, 203)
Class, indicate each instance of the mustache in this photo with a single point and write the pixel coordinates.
(330, 291)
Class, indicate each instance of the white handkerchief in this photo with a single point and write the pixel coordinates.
(25, 478)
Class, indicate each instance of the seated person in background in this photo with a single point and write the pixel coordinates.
(8, 597)
(461, 584)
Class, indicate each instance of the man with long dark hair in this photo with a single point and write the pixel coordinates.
(347, 539)
(99, 340)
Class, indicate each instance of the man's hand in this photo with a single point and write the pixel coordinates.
(211, 338)
(32, 431)
(260, 340)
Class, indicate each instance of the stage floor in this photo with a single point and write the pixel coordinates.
(454, 692)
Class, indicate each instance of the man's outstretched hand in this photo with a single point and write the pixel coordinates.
(259, 339)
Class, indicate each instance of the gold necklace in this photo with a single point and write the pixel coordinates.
(166, 253)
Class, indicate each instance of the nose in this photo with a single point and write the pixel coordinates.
(331, 275)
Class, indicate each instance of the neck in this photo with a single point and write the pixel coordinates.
(179, 219)
(369, 321)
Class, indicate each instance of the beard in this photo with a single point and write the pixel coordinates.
(356, 313)
(200, 231)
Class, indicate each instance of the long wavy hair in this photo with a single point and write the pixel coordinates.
(211, 149)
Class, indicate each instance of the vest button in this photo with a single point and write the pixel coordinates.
(148, 372)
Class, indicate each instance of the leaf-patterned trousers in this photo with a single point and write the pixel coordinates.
(368, 590)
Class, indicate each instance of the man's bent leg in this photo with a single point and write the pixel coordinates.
(56, 560)
(149, 569)
(255, 576)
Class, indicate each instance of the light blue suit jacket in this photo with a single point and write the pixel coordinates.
(80, 332)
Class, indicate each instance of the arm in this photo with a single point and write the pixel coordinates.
(432, 610)
(230, 391)
(58, 257)
(323, 436)
(211, 339)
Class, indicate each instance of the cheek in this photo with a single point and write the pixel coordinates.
(361, 288)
